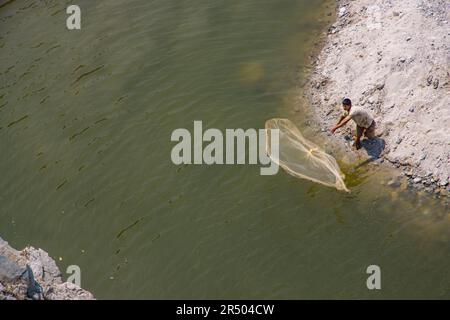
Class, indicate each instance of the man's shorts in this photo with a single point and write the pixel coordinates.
(369, 132)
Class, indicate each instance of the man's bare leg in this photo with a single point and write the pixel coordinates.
(359, 133)
(370, 132)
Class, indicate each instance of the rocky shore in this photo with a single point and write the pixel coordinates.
(391, 57)
(31, 274)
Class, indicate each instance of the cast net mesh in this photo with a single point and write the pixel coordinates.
(302, 158)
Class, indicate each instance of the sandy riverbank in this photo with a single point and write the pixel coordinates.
(45, 281)
(391, 57)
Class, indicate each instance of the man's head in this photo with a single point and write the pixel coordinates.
(346, 104)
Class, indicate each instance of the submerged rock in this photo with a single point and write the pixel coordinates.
(394, 183)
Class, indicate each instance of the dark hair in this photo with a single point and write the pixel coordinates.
(347, 102)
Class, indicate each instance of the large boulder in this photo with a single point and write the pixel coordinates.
(33, 274)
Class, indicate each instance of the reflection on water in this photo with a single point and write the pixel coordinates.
(85, 124)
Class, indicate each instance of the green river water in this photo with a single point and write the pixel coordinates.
(85, 124)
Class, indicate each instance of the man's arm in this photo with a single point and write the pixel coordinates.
(341, 123)
(340, 119)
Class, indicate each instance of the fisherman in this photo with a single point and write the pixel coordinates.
(365, 124)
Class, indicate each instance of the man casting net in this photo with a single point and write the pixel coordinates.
(302, 158)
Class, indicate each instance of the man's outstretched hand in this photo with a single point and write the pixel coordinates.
(333, 130)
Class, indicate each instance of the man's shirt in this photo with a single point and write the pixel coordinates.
(361, 117)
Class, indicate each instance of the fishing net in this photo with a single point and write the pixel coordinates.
(302, 158)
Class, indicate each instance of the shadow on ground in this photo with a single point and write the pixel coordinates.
(374, 149)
